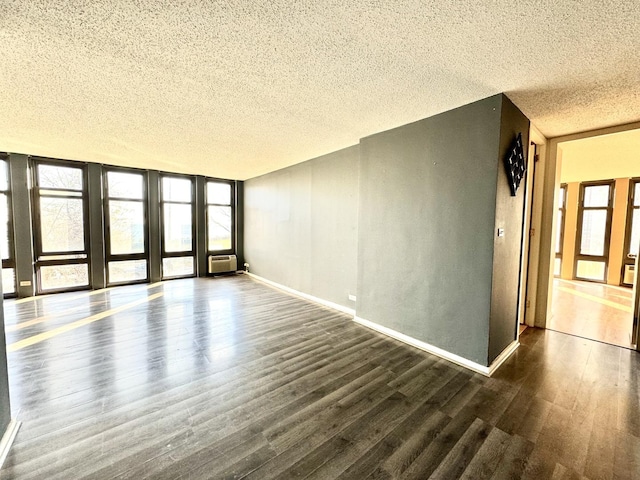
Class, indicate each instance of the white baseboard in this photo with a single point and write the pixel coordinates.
(500, 359)
(452, 357)
(306, 296)
(7, 440)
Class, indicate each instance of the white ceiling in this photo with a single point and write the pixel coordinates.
(238, 88)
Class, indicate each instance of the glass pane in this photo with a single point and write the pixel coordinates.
(176, 189)
(635, 231)
(561, 197)
(594, 226)
(219, 193)
(4, 226)
(636, 195)
(54, 176)
(127, 271)
(8, 280)
(219, 231)
(590, 270)
(126, 223)
(177, 228)
(4, 175)
(177, 266)
(62, 224)
(559, 232)
(64, 276)
(596, 196)
(557, 266)
(125, 185)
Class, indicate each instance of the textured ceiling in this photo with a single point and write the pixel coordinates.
(238, 88)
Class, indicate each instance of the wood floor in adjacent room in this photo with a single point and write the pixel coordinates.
(228, 378)
(592, 310)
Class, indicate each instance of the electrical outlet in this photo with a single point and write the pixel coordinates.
(352, 298)
(25, 283)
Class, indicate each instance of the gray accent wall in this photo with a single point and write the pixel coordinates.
(301, 224)
(430, 198)
(507, 249)
(427, 215)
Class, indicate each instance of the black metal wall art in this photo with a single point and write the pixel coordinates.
(515, 165)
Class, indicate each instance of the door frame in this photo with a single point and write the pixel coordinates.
(636, 307)
(524, 305)
(552, 163)
(629, 224)
(531, 239)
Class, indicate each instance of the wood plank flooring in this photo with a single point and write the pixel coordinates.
(229, 378)
(592, 310)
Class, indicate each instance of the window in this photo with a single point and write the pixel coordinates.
(126, 241)
(6, 232)
(178, 235)
(220, 217)
(60, 226)
(632, 234)
(594, 231)
(560, 220)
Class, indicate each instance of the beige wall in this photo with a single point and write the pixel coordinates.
(605, 156)
(570, 230)
(618, 225)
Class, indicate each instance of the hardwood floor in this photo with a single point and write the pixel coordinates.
(592, 310)
(228, 378)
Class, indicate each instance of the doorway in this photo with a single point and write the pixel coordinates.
(596, 235)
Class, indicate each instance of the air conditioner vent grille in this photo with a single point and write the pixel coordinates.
(222, 263)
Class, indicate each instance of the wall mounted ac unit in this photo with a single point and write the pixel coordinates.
(222, 263)
(629, 274)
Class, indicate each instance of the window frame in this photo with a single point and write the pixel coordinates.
(628, 226)
(10, 261)
(563, 211)
(604, 258)
(108, 256)
(232, 205)
(186, 253)
(37, 223)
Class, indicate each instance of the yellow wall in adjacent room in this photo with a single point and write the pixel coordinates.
(601, 157)
(570, 230)
(618, 225)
